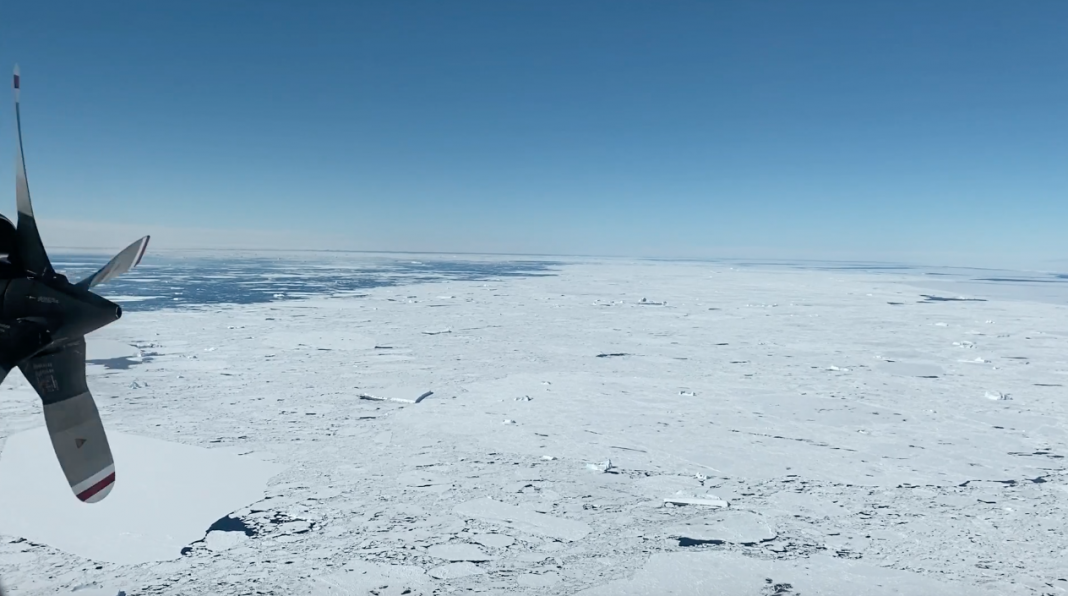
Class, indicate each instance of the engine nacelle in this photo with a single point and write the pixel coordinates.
(8, 235)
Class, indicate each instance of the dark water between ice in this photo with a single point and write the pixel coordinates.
(182, 280)
(170, 281)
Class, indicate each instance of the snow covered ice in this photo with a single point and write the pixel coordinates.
(168, 494)
(769, 431)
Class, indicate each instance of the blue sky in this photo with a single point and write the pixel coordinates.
(925, 131)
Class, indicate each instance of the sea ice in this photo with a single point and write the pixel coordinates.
(857, 480)
(397, 393)
(360, 577)
(539, 580)
(707, 502)
(494, 540)
(455, 571)
(524, 520)
(739, 527)
(458, 552)
(684, 574)
(166, 495)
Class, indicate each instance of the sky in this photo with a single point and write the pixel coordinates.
(931, 132)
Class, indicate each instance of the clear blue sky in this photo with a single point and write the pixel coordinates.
(858, 129)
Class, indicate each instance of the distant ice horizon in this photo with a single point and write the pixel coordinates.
(107, 237)
(200, 277)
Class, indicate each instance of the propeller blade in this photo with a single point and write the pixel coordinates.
(58, 376)
(119, 264)
(31, 251)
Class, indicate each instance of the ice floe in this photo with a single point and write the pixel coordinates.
(166, 495)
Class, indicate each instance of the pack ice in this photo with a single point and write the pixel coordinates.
(673, 428)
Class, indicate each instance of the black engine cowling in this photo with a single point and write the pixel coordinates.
(7, 236)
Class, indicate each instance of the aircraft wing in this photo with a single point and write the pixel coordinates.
(58, 376)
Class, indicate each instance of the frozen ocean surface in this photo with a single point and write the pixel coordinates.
(337, 423)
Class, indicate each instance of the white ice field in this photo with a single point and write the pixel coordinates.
(738, 432)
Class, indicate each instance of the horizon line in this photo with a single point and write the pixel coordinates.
(765, 260)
